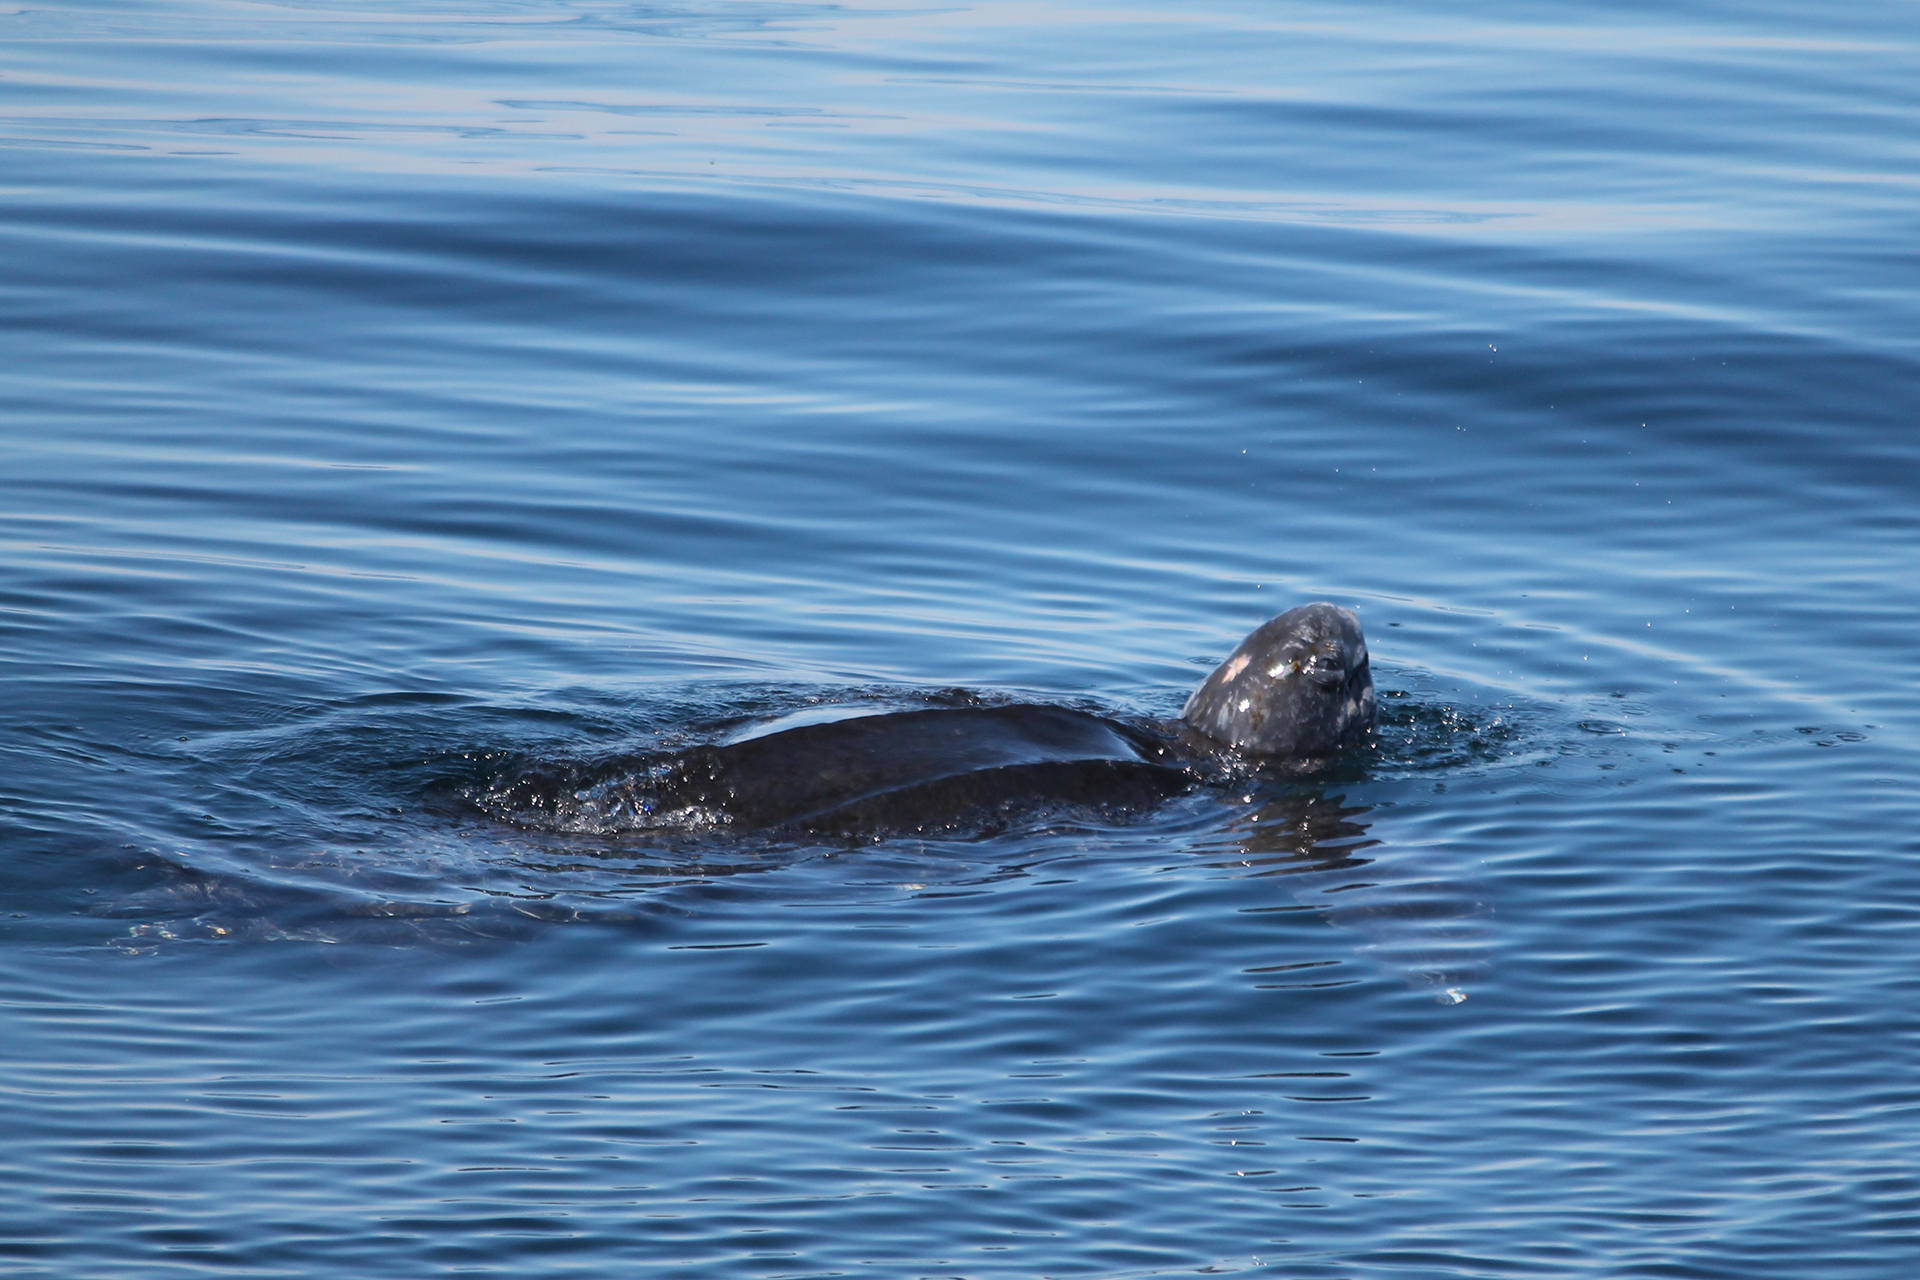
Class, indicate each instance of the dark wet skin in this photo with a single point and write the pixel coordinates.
(911, 769)
(1296, 692)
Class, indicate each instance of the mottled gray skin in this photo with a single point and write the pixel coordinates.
(1299, 687)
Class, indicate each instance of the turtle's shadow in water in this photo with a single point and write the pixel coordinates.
(1430, 928)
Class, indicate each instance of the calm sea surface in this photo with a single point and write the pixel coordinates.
(396, 398)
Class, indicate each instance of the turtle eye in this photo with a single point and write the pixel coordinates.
(1324, 673)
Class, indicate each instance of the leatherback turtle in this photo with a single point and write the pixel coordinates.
(1295, 693)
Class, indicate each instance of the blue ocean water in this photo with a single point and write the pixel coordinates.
(399, 397)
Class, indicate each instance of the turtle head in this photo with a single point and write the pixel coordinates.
(1298, 686)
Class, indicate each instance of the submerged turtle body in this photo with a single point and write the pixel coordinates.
(1299, 689)
(905, 771)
